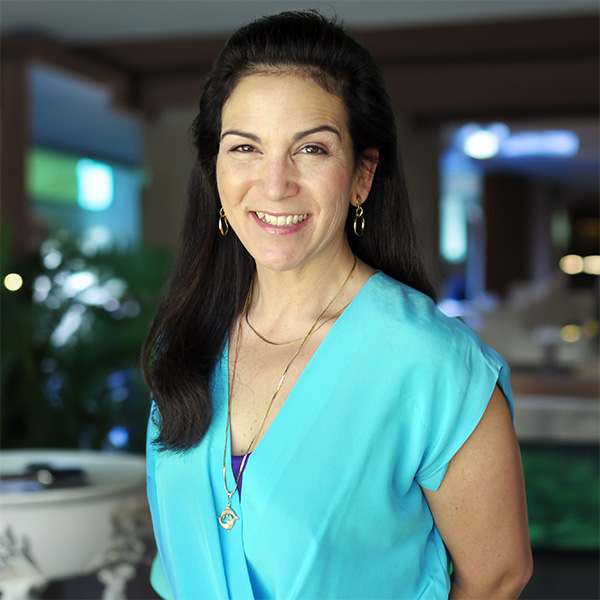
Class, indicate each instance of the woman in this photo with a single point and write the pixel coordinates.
(320, 429)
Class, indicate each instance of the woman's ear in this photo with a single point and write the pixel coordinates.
(365, 172)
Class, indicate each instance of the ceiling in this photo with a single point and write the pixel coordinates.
(111, 20)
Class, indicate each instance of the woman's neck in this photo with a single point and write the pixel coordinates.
(286, 304)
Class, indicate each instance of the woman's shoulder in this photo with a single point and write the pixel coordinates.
(404, 316)
(398, 305)
(433, 355)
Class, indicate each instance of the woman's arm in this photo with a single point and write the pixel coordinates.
(481, 513)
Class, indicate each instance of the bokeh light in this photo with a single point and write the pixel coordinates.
(591, 265)
(13, 282)
(571, 264)
(570, 333)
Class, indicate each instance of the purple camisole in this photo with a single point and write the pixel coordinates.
(236, 463)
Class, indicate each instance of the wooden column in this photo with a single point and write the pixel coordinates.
(14, 137)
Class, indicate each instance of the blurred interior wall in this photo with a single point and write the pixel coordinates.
(168, 159)
(434, 74)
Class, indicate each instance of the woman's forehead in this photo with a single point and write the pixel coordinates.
(284, 97)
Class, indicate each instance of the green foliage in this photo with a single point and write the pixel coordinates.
(70, 344)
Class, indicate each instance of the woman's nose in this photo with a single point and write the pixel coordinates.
(279, 178)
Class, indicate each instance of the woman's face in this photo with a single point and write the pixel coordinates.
(285, 170)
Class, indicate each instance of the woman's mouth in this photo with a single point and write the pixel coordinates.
(281, 220)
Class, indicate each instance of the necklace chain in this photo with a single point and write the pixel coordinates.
(264, 339)
(228, 517)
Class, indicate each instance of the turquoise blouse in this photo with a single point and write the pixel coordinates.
(332, 504)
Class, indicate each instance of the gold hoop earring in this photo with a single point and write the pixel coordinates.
(359, 220)
(223, 223)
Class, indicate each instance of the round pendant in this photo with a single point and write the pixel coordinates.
(228, 518)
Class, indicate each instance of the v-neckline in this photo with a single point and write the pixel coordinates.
(305, 374)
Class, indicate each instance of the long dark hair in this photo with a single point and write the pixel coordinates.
(212, 274)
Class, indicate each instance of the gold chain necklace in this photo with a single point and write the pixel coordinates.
(228, 517)
(337, 314)
(264, 339)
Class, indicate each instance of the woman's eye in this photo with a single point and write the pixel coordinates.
(243, 148)
(313, 149)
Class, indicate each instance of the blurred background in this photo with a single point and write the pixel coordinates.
(498, 107)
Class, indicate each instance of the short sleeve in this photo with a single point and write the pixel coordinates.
(460, 390)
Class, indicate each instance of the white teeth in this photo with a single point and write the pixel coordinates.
(281, 221)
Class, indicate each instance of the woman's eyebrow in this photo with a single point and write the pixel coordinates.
(250, 136)
(297, 136)
(302, 134)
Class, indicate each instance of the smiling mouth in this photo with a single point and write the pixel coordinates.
(282, 220)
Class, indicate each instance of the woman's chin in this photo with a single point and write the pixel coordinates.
(277, 264)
